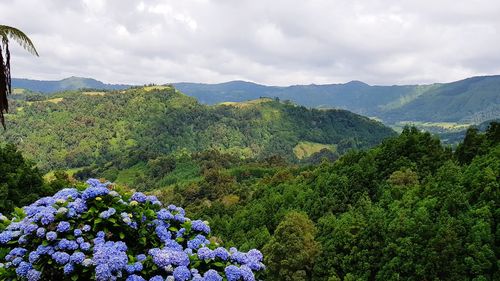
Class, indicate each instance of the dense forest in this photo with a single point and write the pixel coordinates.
(407, 209)
(125, 130)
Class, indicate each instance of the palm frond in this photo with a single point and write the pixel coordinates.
(18, 36)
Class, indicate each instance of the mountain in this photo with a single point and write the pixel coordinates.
(472, 100)
(71, 83)
(120, 129)
(469, 101)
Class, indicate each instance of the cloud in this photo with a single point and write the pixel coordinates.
(279, 42)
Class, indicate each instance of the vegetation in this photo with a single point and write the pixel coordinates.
(97, 234)
(407, 209)
(7, 32)
(469, 101)
(20, 182)
(131, 130)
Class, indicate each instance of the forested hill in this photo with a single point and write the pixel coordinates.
(469, 101)
(120, 129)
(472, 100)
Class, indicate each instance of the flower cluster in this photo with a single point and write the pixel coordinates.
(96, 233)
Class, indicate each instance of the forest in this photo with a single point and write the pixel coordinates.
(407, 209)
(120, 132)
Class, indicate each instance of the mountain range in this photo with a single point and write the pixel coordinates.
(469, 101)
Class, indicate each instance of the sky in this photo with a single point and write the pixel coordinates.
(273, 42)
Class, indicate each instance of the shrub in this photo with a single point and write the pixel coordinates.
(96, 233)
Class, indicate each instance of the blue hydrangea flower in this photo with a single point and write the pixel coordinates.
(61, 257)
(66, 194)
(107, 214)
(33, 256)
(5, 237)
(141, 257)
(102, 272)
(68, 268)
(135, 278)
(33, 275)
(40, 232)
(182, 273)
(51, 236)
(163, 233)
(95, 190)
(168, 256)
(77, 257)
(85, 246)
(156, 278)
(221, 253)
(164, 215)
(212, 275)
(77, 232)
(23, 268)
(199, 225)
(205, 253)
(111, 254)
(109, 259)
(232, 273)
(63, 226)
(247, 273)
(66, 244)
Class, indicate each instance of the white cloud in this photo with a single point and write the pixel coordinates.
(276, 42)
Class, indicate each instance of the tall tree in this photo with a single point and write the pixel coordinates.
(291, 252)
(17, 35)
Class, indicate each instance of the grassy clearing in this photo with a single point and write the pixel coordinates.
(305, 149)
(158, 87)
(71, 172)
(446, 126)
(94, 93)
(18, 91)
(128, 176)
(246, 103)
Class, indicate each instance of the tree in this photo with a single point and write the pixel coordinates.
(20, 182)
(7, 32)
(291, 252)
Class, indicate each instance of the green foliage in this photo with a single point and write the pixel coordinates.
(114, 131)
(291, 252)
(404, 210)
(20, 182)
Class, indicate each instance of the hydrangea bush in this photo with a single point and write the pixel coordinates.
(96, 233)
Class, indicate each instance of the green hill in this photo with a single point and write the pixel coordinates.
(122, 130)
(470, 101)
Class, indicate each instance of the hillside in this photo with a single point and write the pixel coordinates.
(123, 129)
(470, 101)
(71, 83)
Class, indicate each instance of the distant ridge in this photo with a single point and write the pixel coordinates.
(70, 83)
(470, 101)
